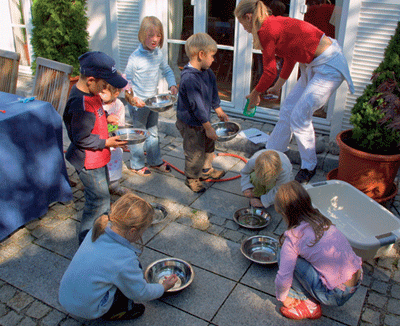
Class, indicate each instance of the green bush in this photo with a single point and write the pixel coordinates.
(60, 31)
(376, 114)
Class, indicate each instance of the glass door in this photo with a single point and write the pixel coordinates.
(216, 18)
(19, 12)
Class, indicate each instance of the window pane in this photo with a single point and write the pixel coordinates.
(180, 19)
(222, 68)
(177, 59)
(221, 21)
(19, 31)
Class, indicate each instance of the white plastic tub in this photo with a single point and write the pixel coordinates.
(370, 228)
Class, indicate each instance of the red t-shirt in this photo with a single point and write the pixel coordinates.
(292, 39)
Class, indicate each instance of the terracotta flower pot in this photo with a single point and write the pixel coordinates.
(373, 174)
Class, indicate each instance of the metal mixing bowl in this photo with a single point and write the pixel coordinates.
(252, 217)
(161, 102)
(132, 135)
(157, 271)
(160, 213)
(261, 249)
(226, 130)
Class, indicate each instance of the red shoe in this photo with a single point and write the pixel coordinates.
(302, 311)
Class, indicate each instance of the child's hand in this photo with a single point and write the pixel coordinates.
(169, 282)
(174, 90)
(248, 193)
(139, 103)
(221, 115)
(210, 133)
(255, 202)
(113, 119)
(115, 142)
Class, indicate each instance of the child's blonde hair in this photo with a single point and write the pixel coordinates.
(147, 23)
(113, 89)
(129, 211)
(200, 42)
(259, 11)
(267, 166)
(294, 203)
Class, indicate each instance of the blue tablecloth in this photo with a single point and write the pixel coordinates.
(32, 167)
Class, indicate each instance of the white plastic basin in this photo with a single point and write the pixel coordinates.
(370, 228)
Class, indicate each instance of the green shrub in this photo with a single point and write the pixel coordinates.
(60, 31)
(376, 114)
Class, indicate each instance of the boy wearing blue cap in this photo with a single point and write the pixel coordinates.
(86, 123)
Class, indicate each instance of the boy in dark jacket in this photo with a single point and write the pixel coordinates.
(198, 95)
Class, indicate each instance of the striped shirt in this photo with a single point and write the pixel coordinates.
(143, 70)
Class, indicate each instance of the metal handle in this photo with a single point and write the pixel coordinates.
(317, 184)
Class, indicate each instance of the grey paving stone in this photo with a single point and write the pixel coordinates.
(179, 163)
(217, 220)
(391, 320)
(53, 318)
(381, 274)
(247, 306)
(380, 286)
(395, 291)
(215, 229)
(3, 309)
(377, 300)
(20, 301)
(7, 292)
(371, 316)
(27, 322)
(161, 186)
(234, 236)
(261, 277)
(350, 312)
(38, 310)
(394, 306)
(43, 269)
(220, 203)
(231, 225)
(63, 242)
(231, 186)
(204, 250)
(70, 322)
(11, 318)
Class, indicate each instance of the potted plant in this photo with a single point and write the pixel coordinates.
(60, 31)
(375, 136)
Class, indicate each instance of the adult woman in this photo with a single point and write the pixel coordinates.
(323, 68)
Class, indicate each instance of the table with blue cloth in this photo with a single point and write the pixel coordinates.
(32, 168)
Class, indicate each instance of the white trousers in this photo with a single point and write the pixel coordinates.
(295, 117)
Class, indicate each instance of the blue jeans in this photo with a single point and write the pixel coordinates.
(307, 284)
(144, 118)
(97, 197)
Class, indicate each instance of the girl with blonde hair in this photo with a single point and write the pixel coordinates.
(323, 69)
(262, 175)
(146, 65)
(317, 264)
(105, 275)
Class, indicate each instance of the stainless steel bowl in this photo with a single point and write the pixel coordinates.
(252, 217)
(159, 270)
(161, 102)
(160, 213)
(261, 249)
(132, 135)
(226, 130)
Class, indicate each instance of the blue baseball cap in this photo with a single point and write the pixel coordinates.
(100, 65)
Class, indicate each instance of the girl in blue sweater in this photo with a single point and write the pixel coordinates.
(143, 71)
(105, 274)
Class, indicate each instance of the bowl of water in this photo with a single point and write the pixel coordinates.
(159, 270)
(252, 217)
(161, 102)
(132, 135)
(226, 130)
(260, 249)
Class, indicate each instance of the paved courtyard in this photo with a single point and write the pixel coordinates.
(227, 290)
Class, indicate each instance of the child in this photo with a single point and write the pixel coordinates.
(113, 105)
(86, 123)
(198, 95)
(317, 264)
(105, 273)
(323, 69)
(262, 175)
(143, 69)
